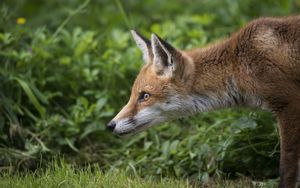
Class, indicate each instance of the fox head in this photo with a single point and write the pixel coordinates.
(163, 90)
(159, 90)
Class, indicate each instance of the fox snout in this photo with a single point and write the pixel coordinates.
(125, 125)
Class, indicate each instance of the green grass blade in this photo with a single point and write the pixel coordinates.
(31, 96)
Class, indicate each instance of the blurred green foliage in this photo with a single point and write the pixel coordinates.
(69, 68)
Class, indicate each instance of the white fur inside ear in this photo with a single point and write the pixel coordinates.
(142, 44)
(162, 57)
(159, 51)
(155, 46)
(158, 44)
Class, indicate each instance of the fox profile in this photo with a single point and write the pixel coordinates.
(257, 67)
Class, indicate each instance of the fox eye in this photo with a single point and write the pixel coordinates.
(144, 96)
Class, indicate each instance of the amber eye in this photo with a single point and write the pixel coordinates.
(144, 96)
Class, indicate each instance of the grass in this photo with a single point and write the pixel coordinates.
(67, 176)
(64, 175)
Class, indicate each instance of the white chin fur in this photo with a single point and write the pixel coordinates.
(142, 120)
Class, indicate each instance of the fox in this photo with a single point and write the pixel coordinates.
(256, 67)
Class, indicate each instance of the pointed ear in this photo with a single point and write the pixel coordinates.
(144, 45)
(166, 58)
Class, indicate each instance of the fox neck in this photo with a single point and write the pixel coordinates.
(217, 79)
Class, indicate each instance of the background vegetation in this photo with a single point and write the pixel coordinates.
(66, 67)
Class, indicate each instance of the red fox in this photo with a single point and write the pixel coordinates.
(258, 67)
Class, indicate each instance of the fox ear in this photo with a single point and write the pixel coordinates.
(144, 44)
(166, 57)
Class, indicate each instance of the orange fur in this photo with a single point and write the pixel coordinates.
(259, 66)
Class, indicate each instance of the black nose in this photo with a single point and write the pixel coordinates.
(111, 125)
